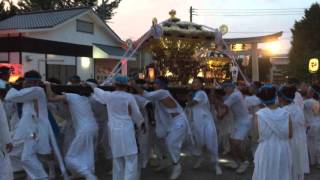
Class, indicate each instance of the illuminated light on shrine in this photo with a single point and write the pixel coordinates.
(190, 81)
(210, 62)
(141, 76)
(168, 73)
(200, 74)
(151, 73)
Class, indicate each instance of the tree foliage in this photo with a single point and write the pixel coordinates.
(7, 9)
(305, 42)
(105, 9)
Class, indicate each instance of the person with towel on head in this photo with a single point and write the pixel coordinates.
(33, 129)
(234, 102)
(80, 156)
(312, 115)
(273, 128)
(123, 115)
(171, 123)
(298, 143)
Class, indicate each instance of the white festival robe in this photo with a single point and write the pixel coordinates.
(204, 129)
(273, 158)
(312, 115)
(298, 143)
(172, 129)
(80, 155)
(34, 121)
(6, 169)
(121, 131)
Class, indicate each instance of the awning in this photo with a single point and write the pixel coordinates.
(101, 51)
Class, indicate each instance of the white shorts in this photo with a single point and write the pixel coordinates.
(241, 130)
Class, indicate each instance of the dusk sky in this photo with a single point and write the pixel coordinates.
(134, 17)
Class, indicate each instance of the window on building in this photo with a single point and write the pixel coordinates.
(85, 27)
(4, 57)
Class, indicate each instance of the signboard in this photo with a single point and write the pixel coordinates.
(16, 71)
(313, 65)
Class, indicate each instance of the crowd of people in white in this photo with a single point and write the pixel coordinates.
(278, 127)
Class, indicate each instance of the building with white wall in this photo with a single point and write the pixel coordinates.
(60, 43)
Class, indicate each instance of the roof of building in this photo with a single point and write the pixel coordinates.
(112, 50)
(265, 38)
(41, 19)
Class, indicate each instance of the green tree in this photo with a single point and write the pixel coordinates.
(105, 9)
(7, 9)
(305, 43)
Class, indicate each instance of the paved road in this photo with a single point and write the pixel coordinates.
(205, 172)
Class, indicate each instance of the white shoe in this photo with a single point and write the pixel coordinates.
(163, 164)
(232, 165)
(176, 171)
(243, 167)
(198, 163)
(218, 170)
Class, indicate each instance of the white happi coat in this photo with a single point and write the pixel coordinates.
(172, 129)
(120, 121)
(80, 155)
(298, 142)
(252, 103)
(298, 99)
(203, 126)
(31, 121)
(6, 169)
(242, 118)
(164, 121)
(312, 115)
(273, 158)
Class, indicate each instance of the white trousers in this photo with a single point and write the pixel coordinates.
(80, 156)
(5, 167)
(313, 139)
(206, 137)
(144, 149)
(125, 168)
(30, 161)
(176, 137)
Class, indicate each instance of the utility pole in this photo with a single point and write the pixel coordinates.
(191, 11)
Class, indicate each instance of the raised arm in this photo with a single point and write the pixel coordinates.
(101, 95)
(23, 95)
(197, 99)
(52, 96)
